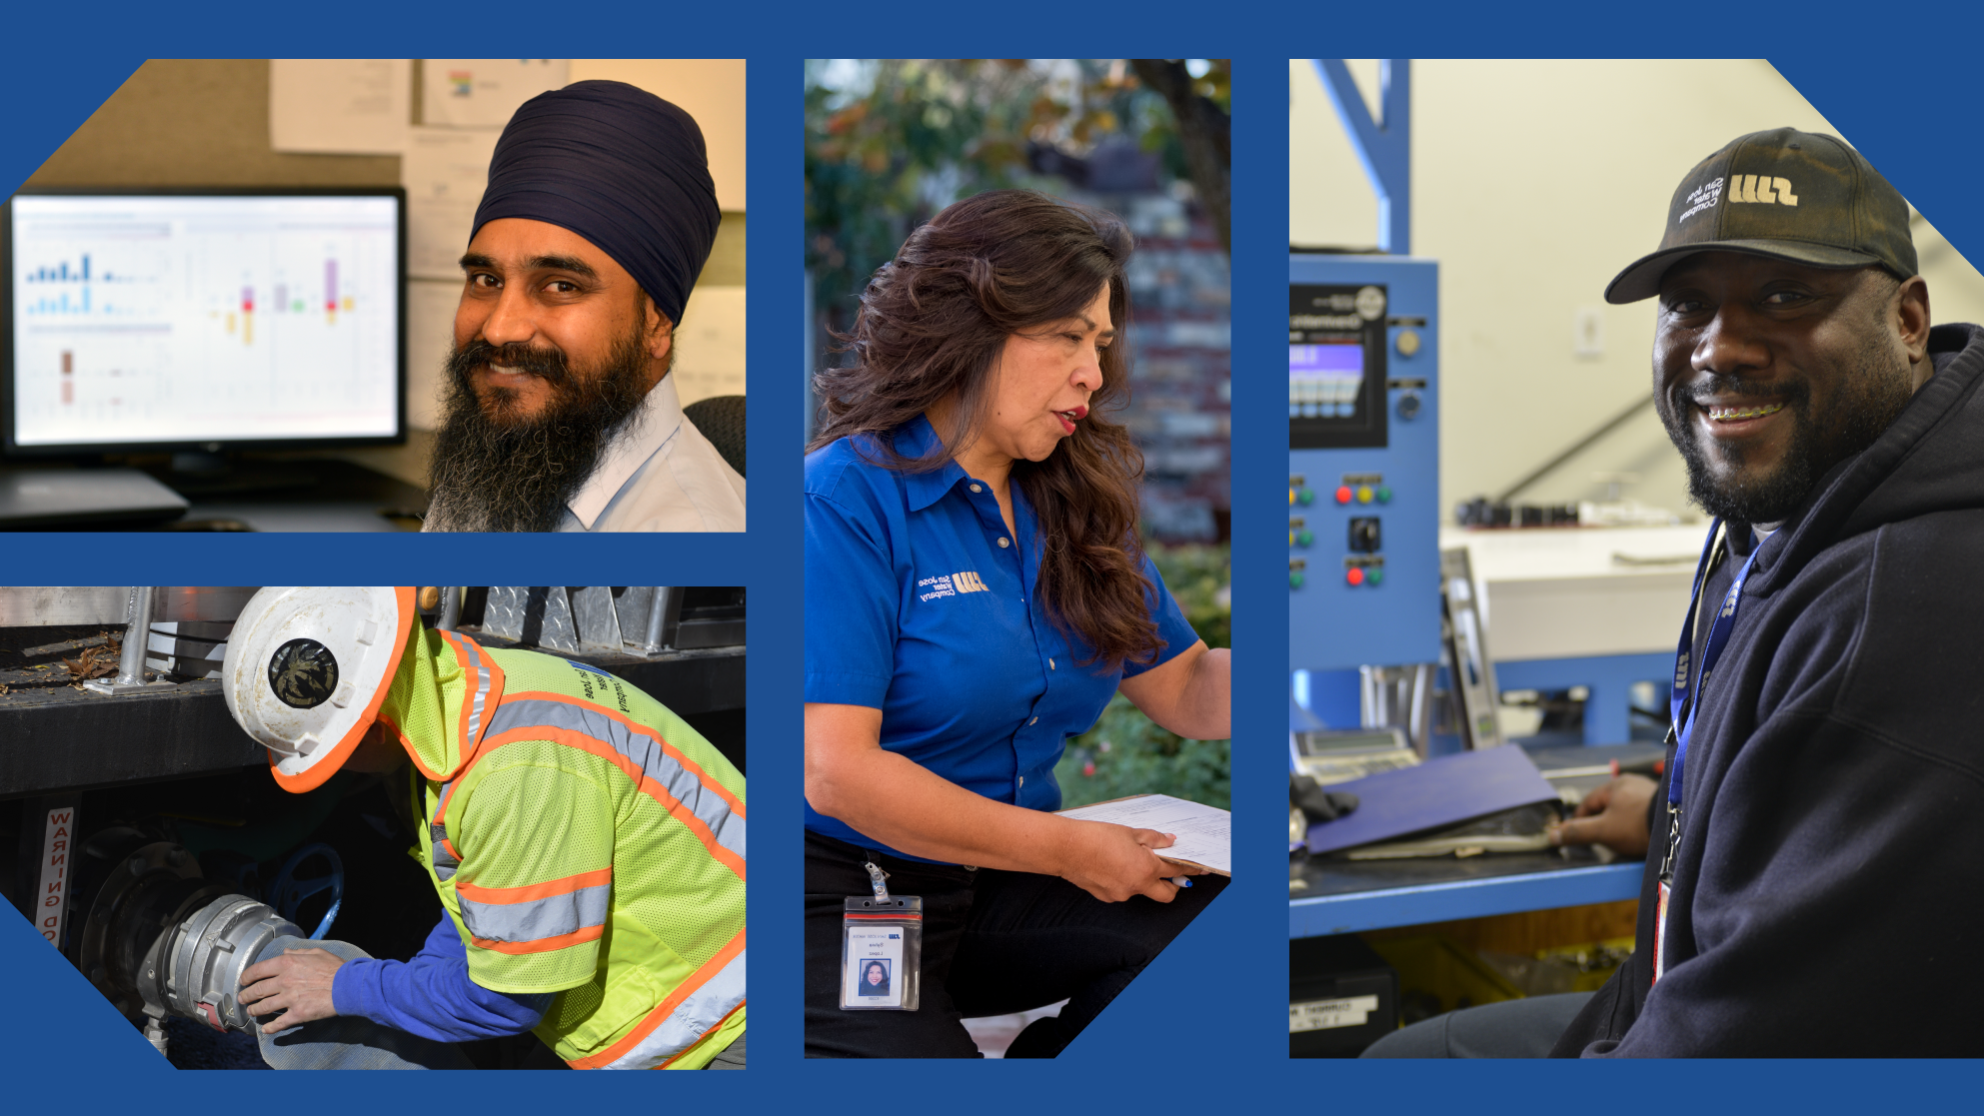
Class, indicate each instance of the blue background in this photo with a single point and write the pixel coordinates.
(1175, 1040)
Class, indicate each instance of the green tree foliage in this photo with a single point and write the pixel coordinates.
(892, 141)
(1125, 753)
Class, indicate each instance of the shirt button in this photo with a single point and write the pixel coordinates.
(1050, 664)
(975, 488)
(1035, 721)
(1022, 780)
(1003, 543)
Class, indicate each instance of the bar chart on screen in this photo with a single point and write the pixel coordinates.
(204, 316)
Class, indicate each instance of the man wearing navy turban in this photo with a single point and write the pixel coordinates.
(559, 411)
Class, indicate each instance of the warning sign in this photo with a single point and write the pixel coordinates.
(53, 898)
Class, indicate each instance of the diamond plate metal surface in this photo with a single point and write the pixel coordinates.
(593, 615)
(535, 616)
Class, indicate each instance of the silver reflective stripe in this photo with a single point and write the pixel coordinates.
(444, 863)
(535, 919)
(481, 665)
(691, 1019)
(643, 751)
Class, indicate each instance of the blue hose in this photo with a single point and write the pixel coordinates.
(288, 891)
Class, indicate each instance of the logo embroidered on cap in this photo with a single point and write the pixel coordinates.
(1761, 188)
(1704, 197)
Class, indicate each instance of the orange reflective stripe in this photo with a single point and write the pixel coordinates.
(543, 945)
(483, 690)
(647, 786)
(655, 1018)
(714, 787)
(535, 891)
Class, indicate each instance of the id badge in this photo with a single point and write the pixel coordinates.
(1660, 932)
(881, 953)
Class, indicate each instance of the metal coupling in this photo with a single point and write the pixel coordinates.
(200, 960)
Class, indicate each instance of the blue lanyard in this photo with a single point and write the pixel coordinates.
(1689, 682)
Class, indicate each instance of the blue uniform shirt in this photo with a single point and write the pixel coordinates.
(919, 603)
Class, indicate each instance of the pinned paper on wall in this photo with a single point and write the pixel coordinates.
(709, 358)
(340, 106)
(444, 172)
(484, 92)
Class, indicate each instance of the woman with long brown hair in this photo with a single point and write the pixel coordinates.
(975, 594)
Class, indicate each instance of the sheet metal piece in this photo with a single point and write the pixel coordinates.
(593, 615)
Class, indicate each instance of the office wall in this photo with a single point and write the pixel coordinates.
(1534, 183)
(205, 122)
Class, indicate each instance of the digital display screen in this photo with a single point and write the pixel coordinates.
(194, 319)
(1324, 379)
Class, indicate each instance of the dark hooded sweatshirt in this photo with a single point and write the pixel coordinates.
(1828, 888)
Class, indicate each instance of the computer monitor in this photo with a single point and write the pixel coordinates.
(202, 320)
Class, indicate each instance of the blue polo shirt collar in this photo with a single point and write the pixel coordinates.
(916, 439)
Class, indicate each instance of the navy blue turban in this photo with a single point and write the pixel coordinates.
(622, 168)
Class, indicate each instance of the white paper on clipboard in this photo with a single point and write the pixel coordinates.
(340, 106)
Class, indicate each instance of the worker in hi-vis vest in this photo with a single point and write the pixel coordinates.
(586, 843)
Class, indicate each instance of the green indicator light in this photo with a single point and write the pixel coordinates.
(1295, 580)
(1304, 538)
(1306, 496)
(1375, 575)
(1384, 495)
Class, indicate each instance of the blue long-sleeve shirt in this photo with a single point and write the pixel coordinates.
(432, 995)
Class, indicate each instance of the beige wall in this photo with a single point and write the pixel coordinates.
(1534, 183)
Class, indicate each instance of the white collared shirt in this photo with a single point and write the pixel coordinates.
(659, 474)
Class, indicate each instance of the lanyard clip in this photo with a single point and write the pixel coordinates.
(1673, 842)
(878, 878)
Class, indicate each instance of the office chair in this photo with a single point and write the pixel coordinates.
(721, 419)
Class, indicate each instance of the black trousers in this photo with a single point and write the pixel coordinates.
(994, 943)
(1508, 1029)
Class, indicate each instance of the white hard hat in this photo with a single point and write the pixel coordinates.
(306, 670)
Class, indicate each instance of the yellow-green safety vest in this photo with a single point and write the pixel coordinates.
(585, 841)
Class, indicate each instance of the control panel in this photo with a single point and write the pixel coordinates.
(1363, 437)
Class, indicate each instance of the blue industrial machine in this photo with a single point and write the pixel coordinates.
(1365, 635)
(1363, 462)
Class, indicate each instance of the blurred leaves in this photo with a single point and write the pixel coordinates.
(890, 142)
(1125, 753)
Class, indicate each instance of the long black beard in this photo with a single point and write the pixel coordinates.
(1861, 411)
(493, 471)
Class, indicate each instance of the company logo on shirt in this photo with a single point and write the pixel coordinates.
(949, 585)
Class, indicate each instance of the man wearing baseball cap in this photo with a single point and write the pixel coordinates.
(1814, 849)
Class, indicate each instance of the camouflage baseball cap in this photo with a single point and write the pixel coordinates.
(1794, 195)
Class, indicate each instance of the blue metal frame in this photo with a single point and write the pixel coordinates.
(1384, 145)
(1608, 677)
(1445, 902)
